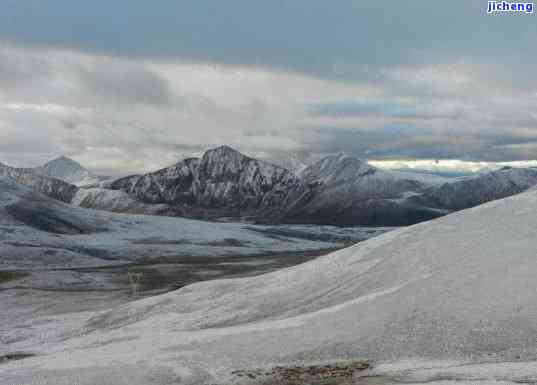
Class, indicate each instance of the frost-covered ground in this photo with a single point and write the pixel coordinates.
(449, 300)
(37, 232)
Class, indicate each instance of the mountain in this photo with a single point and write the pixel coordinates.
(344, 190)
(222, 183)
(23, 205)
(52, 187)
(69, 171)
(294, 161)
(225, 184)
(338, 190)
(471, 191)
(449, 301)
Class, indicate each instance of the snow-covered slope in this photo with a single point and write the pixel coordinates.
(37, 231)
(438, 300)
(52, 187)
(342, 189)
(69, 171)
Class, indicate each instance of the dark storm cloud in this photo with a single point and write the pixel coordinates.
(330, 38)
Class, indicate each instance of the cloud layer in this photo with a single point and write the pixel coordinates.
(130, 86)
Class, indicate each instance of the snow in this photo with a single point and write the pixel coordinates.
(75, 236)
(448, 300)
(69, 171)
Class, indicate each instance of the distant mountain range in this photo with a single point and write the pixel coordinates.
(226, 185)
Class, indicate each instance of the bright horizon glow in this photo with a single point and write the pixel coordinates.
(448, 165)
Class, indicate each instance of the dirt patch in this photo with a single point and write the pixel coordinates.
(341, 373)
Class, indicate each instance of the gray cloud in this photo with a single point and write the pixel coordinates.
(122, 82)
(128, 86)
(332, 39)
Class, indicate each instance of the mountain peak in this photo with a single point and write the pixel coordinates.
(63, 160)
(68, 170)
(338, 167)
(224, 150)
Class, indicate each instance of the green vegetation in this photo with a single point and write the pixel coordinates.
(6, 276)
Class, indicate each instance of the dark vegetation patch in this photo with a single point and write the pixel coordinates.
(50, 219)
(226, 242)
(14, 357)
(339, 373)
(6, 276)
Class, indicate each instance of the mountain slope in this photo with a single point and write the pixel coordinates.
(436, 300)
(69, 171)
(36, 230)
(52, 187)
(344, 190)
(471, 191)
(223, 182)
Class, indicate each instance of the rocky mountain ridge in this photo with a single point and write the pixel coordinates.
(225, 184)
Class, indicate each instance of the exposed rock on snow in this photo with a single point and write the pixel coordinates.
(344, 190)
(223, 182)
(337, 190)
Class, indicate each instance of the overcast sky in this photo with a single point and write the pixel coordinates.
(132, 85)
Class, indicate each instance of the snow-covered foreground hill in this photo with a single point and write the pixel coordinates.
(451, 299)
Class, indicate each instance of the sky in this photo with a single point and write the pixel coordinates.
(131, 85)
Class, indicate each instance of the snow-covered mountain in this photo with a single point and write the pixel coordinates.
(449, 301)
(344, 190)
(223, 182)
(69, 171)
(464, 192)
(338, 189)
(52, 187)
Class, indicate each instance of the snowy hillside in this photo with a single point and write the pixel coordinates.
(52, 187)
(69, 171)
(441, 299)
(37, 231)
